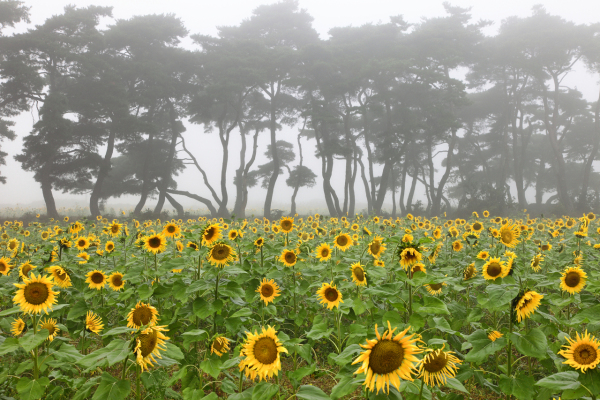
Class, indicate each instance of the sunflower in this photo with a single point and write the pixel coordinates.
(323, 252)
(51, 325)
(493, 269)
(156, 243)
(82, 243)
(25, 269)
(179, 246)
(268, 290)
(435, 288)
(388, 359)
(192, 245)
(219, 346)
(329, 295)
(418, 267)
(60, 276)
(211, 234)
(148, 345)
(171, 230)
(93, 323)
(437, 366)
(366, 231)
(342, 241)
(582, 353)
(259, 242)
(379, 263)
(477, 226)
(84, 256)
(494, 335)
(470, 272)
(5, 266)
(286, 224)
(536, 261)
(573, 280)
(358, 274)
(142, 314)
(35, 294)
(526, 304)
(114, 229)
(509, 235)
(483, 255)
(17, 326)
(221, 254)
(262, 354)
(457, 245)
(116, 282)
(109, 246)
(376, 247)
(409, 256)
(96, 279)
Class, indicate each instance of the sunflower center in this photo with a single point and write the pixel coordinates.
(141, 316)
(342, 241)
(436, 362)
(324, 252)
(61, 275)
(506, 236)
(585, 354)
(477, 226)
(209, 233)
(331, 294)
(97, 277)
(154, 242)
(290, 257)
(148, 343)
(286, 225)
(50, 328)
(81, 243)
(470, 272)
(267, 290)
(375, 246)
(171, 229)
(386, 357)
(217, 344)
(220, 252)
(265, 350)
(436, 286)
(359, 274)
(117, 280)
(494, 269)
(110, 246)
(36, 293)
(114, 229)
(4, 267)
(572, 279)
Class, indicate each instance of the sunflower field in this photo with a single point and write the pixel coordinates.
(301, 308)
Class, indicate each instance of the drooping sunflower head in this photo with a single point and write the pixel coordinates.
(211, 234)
(536, 262)
(156, 243)
(525, 305)
(582, 353)
(388, 359)
(262, 354)
(93, 323)
(494, 335)
(418, 267)
(323, 252)
(470, 272)
(343, 241)
(494, 268)
(17, 326)
(60, 276)
(25, 269)
(221, 254)
(379, 263)
(410, 256)
(35, 294)
(573, 280)
(509, 235)
(376, 247)
(268, 290)
(286, 224)
(288, 258)
(437, 366)
(149, 344)
(171, 230)
(115, 281)
(142, 314)
(359, 276)
(5, 265)
(329, 295)
(219, 346)
(96, 279)
(52, 326)
(435, 288)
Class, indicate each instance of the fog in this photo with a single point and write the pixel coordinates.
(21, 190)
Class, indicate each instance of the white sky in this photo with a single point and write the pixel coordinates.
(203, 17)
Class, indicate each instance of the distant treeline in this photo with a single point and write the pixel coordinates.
(383, 101)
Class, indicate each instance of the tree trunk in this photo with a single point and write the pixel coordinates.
(411, 193)
(239, 177)
(583, 203)
(275, 156)
(178, 207)
(366, 184)
(352, 205)
(403, 185)
(102, 174)
(48, 197)
(437, 199)
(539, 183)
(517, 161)
(166, 178)
(146, 166)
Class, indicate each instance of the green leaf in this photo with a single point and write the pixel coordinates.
(455, 384)
(193, 336)
(345, 386)
(432, 305)
(498, 297)
(589, 315)
(211, 366)
(532, 343)
(308, 392)
(118, 353)
(519, 386)
(300, 373)
(118, 331)
(78, 310)
(358, 306)
(145, 291)
(244, 312)
(111, 388)
(32, 389)
(264, 391)
(482, 346)
(442, 325)
(232, 362)
(10, 311)
(202, 308)
(9, 345)
(29, 341)
(173, 351)
(319, 331)
(212, 396)
(347, 355)
(561, 381)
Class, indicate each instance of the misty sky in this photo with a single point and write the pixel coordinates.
(203, 17)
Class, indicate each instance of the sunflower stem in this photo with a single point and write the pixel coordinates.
(124, 368)
(216, 297)
(137, 383)
(294, 289)
(421, 390)
(241, 385)
(35, 351)
(509, 353)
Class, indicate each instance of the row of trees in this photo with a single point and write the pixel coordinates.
(385, 102)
